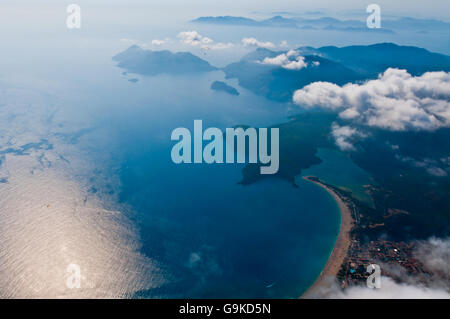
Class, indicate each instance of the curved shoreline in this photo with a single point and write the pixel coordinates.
(340, 248)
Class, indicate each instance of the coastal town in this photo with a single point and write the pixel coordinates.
(394, 257)
(382, 252)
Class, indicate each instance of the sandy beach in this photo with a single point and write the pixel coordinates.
(339, 252)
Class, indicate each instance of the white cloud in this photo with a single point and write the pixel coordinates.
(144, 45)
(290, 60)
(193, 38)
(254, 42)
(218, 46)
(278, 60)
(435, 255)
(432, 167)
(284, 44)
(298, 64)
(158, 42)
(389, 290)
(395, 101)
(321, 94)
(343, 134)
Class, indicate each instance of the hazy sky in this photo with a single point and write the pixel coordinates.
(417, 8)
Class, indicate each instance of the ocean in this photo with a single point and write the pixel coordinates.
(211, 236)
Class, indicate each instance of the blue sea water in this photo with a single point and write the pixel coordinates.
(220, 239)
(213, 236)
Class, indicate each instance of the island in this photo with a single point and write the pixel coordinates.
(223, 87)
(148, 62)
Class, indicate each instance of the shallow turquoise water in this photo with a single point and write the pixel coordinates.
(338, 169)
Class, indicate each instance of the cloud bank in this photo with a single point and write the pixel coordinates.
(390, 290)
(434, 254)
(395, 101)
(195, 39)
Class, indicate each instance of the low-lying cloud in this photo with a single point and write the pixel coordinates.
(159, 42)
(395, 101)
(437, 168)
(389, 290)
(144, 45)
(290, 60)
(255, 43)
(434, 254)
(343, 135)
(193, 38)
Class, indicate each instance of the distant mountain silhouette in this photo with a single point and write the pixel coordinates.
(412, 23)
(373, 59)
(330, 23)
(148, 62)
(227, 20)
(276, 21)
(223, 87)
(280, 21)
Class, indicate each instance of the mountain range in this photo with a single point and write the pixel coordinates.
(336, 65)
(330, 23)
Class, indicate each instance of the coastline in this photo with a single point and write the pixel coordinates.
(341, 246)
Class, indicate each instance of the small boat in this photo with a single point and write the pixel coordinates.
(271, 285)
